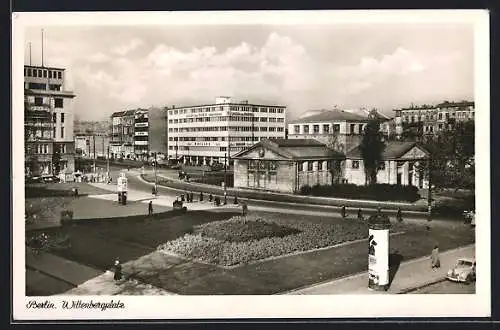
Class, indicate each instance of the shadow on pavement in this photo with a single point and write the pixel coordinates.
(395, 260)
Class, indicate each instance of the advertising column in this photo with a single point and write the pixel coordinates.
(122, 189)
(378, 252)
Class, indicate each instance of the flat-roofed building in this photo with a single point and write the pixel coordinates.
(48, 122)
(212, 133)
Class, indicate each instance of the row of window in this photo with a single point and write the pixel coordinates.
(221, 108)
(319, 165)
(52, 87)
(42, 73)
(44, 148)
(225, 128)
(213, 138)
(255, 139)
(326, 128)
(226, 118)
(58, 102)
(447, 115)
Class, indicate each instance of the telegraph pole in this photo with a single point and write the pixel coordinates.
(156, 177)
(429, 193)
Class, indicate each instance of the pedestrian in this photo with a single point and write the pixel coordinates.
(343, 213)
(210, 197)
(379, 210)
(360, 215)
(191, 196)
(182, 197)
(118, 270)
(201, 196)
(150, 208)
(244, 208)
(399, 215)
(435, 261)
(225, 197)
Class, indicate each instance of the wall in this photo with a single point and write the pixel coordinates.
(314, 177)
(284, 181)
(158, 130)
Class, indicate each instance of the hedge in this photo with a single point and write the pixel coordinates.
(379, 192)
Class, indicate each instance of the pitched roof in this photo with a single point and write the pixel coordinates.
(330, 115)
(393, 150)
(295, 149)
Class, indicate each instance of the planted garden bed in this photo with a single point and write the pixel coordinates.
(242, 240)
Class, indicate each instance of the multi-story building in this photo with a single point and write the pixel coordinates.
(341, 130)
(48, 122)
(141, 134)
(431, 119)
(204, 134)
(122, 134)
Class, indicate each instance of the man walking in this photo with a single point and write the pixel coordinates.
(118, 270)
(150, 208)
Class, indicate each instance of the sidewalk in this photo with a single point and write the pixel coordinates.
(104, 284)
(161, 200)
(63, 269)
(410, 275)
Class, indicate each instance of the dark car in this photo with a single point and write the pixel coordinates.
(33, 179)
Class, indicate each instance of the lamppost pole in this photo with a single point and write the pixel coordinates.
(156, 178)
(429, 193)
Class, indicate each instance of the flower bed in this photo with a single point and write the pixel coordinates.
(225, 248)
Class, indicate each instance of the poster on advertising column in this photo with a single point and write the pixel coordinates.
(122, 184)
(378, 256)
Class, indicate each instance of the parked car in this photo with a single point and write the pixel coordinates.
(464, 271)
(33, 179)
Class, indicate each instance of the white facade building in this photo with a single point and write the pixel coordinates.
(204, 134)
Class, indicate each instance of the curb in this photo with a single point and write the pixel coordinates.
(418, 287)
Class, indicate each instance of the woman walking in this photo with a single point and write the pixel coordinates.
(435, 262)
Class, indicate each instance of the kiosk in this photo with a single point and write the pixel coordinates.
(122, 189)
(378, 252)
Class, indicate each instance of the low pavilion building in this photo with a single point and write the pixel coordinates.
(286, 165)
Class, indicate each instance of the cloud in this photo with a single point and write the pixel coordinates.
(99, 58)
(124, 49)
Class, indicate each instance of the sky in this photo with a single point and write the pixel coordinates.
(305, 67)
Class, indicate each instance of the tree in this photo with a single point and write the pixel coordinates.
(452, 161)
(334, 143)
(372, 146)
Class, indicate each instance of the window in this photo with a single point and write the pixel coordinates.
(320, 165)
(45, 73)
(263, 119)
(440, 126)
(355, 164)
(326, 128)
(301, 166)
(62, 118)
(58, 103)
(360, 128)
(45, 149)
(352, 128)
(40, 73)
(440, 116)
(54, 117)
(38, 101)
(54, 133)
(306, 129)
(62, 132)
(316, 129)
(59, 75)
(296, 129)
(309, 166)
(381, 165)
(336, 127)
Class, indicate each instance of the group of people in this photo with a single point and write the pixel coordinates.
(343, 213)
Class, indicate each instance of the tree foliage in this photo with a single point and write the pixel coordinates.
(452, 156)
(56, 158)
(372, 146)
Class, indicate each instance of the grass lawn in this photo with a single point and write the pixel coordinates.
(61, 189)
(98, 244)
